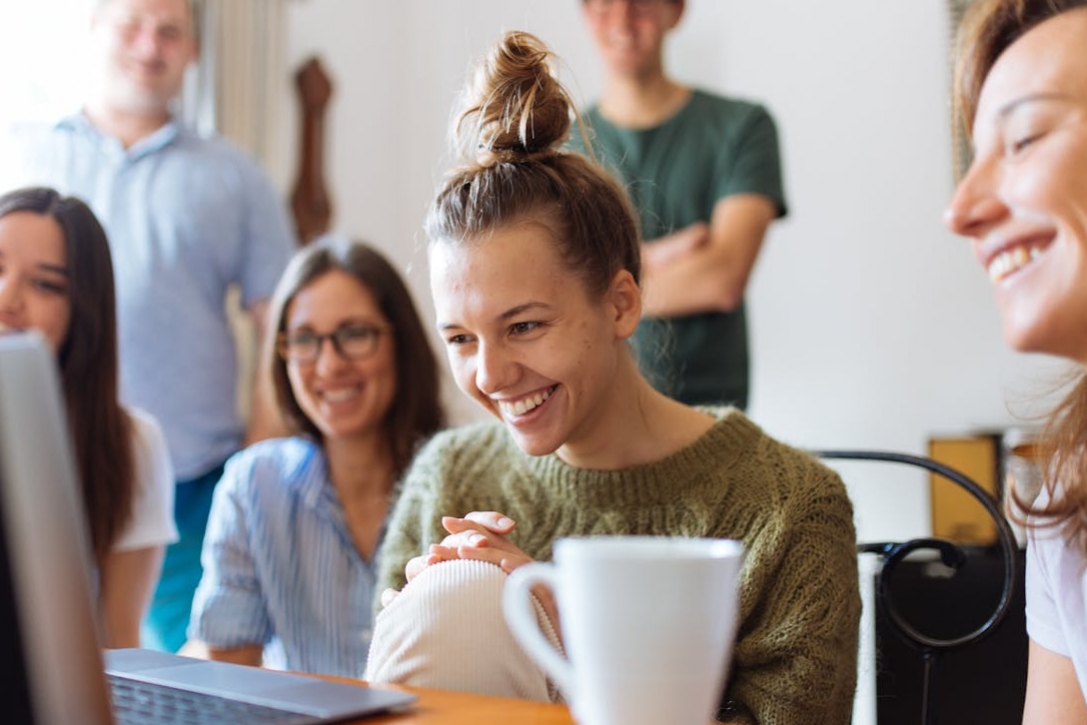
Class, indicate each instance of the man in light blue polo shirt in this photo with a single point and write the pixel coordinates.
(187, 217)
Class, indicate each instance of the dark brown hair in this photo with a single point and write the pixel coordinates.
(101, 429)
(416, 411)
(518, 116)
(989, 28)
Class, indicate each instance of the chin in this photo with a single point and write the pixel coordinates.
(533, 445)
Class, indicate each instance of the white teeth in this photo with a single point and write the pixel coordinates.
(338, 396)
(1012, 260)
(520, 407)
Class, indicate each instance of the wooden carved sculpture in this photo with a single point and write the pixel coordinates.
(309, 199)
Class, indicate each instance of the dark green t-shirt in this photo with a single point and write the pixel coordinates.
(675, 174)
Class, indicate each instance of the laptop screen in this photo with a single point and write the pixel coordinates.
(51, 661)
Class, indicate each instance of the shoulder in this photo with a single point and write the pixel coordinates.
(460, 445)
(456, 453)
(152, 518)
(731, 116)
(217, 153)
(145, 429)
(764, 466)
(732, 107)
(272, 467)
(152, 457)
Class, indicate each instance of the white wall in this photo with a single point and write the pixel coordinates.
(872, 326)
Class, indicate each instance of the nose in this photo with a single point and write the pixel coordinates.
(494, 369)
(976, 204)
(329, 357)
(146, 41)
(11, 297)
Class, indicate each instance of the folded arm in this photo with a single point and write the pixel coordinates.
(705, 268)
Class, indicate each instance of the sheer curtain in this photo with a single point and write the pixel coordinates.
(236, 88)
(235, 91)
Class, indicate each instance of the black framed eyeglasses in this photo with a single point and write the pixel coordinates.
(354, 341)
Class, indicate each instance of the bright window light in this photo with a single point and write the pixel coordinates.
(43, 58)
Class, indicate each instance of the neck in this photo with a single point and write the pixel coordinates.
(634, 425)
(360, 467)
(127, 126)
(641, 100)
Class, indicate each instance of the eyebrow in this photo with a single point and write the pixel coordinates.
(55, 269)
(1008, 108)
(508, 314)
(47, 267)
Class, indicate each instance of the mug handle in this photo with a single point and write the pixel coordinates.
(521, 618)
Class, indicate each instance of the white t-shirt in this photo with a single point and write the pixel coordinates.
(152, 522)
(1057, 596)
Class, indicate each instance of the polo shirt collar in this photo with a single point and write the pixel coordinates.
(157, 140)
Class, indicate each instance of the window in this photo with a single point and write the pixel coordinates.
(42, 44)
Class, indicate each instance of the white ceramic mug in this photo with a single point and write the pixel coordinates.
(648, 624)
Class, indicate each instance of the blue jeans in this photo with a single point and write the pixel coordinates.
(164, 627)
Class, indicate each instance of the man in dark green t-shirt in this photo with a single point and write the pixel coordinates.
(704, 173)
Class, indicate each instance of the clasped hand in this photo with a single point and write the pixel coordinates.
(480, 535)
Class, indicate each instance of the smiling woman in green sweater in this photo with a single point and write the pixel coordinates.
(535, 265)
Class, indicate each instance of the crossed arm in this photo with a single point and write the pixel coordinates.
(705, 267)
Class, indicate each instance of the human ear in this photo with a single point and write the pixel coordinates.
(676, 8)
(625, 298)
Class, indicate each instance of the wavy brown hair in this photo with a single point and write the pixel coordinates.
(101, 429)
(416, 412)
(988, 28)
(511, 134)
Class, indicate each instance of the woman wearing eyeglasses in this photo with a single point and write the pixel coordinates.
(289, 570)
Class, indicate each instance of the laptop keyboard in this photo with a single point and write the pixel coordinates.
(144, 703)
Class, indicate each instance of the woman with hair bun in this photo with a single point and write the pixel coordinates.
(534, 269)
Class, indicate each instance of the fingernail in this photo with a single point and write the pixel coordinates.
(476, 538)
(505, 521)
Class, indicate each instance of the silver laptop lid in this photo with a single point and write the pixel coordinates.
(46, 541)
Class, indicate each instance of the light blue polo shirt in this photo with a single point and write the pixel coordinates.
(280, 567)
(187, 217)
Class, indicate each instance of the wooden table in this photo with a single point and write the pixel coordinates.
(444, 707)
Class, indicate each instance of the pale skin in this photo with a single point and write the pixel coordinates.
(702, 267)
(1024, 193)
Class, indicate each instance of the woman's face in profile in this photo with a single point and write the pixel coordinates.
(34, 277)
(1024, 199)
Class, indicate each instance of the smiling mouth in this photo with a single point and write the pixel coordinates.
(338, 396)
(517, 408)
(1010, 261)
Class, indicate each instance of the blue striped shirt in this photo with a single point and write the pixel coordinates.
(280, 567)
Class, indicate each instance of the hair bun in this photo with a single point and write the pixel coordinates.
(516, 108)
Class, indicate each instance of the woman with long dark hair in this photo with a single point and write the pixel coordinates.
(56, 277)
(290, 551)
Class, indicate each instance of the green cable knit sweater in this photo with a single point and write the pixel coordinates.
(795, 657)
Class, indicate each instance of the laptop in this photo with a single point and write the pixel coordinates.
(50, 658)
